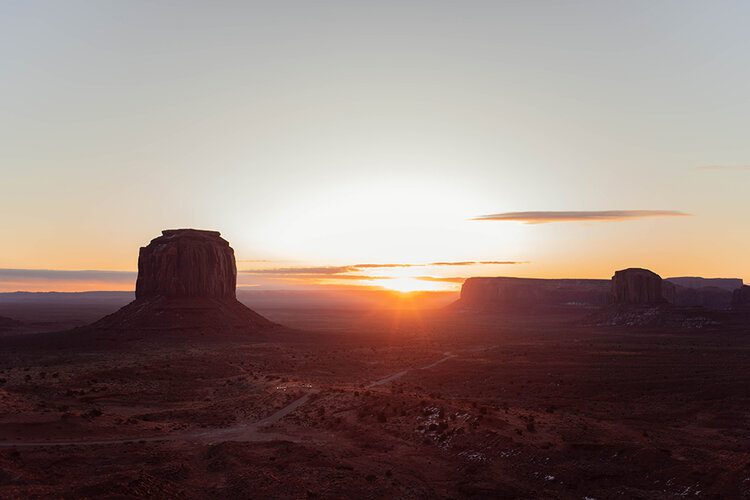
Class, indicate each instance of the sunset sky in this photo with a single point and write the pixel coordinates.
(325, 139)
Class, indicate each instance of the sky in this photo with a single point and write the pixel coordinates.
(515, 138)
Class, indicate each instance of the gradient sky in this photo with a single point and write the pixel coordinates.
(319, 134)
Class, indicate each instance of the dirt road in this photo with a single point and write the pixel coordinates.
(244, 431)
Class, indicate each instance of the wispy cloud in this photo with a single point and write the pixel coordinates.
(441, 279)
(579, 216)
(382, 266)
(342, 270)
(58, 275)
(312, 277)
(327, 270)
(479, 262)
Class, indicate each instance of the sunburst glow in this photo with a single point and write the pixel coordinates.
(407, 284)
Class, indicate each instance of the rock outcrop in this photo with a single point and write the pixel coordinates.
(509, 294)
(741, 299)
(640, 298)
(186, 282)
(636, 286)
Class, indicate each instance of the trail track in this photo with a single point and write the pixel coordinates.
(244, 431)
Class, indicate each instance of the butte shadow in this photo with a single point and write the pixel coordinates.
(185, 289)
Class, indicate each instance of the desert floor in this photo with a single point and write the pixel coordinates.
(384, 405)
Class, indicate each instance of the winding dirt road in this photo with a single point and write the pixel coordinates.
(244, 431)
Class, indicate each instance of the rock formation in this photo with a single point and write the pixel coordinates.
(694, 291)
(636, 286)
(741, 299)
(186, 263)
(669, 292)
(186, 282)
(504, 293)
(729, 284)
(640, 298)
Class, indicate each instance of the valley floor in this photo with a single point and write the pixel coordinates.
(385, 407)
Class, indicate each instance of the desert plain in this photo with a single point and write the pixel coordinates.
(416, 403)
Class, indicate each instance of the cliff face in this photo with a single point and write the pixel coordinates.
(637, 286)
(741, 299)
(528, 293)
(629, 286)
(185, 263)
(186, 282)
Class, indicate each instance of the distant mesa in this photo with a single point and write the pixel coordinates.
(531, 294)
(728, 284)
(633, 297)
(741, 299)
(637, 286)
(711, 293)
(186, 281)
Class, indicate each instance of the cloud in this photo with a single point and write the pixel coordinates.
(57, 275)
(345, 270)
(462, 263)
(379, 266)
(579, 216)
(441, 279)
(311, 276)
(479, 262)
(458, 263)
(327, 270)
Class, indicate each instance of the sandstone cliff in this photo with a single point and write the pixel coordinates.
(186, 263)
(186, 281)
(637, 286)
(529, 293)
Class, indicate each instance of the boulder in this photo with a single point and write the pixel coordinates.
(637, 286)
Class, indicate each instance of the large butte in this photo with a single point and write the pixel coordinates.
(186, 282)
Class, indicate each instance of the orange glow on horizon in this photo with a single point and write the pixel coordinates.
(407, 284)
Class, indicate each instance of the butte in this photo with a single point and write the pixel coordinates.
(186, 283)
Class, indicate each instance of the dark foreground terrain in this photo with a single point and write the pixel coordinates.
(384, 406)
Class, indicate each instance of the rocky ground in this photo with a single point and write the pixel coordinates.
(385, 406)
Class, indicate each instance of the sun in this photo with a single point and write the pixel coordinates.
(407, 284)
